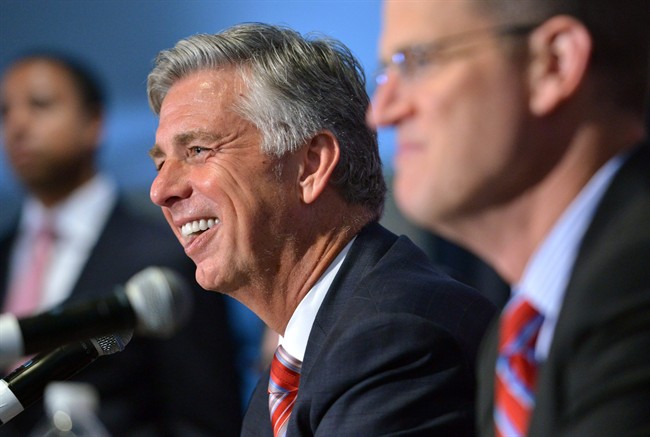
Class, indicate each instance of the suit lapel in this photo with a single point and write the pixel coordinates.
(486, 371)
(113, 260)
(629, 184)
(98, 275)
(371, 244)
(6, 244)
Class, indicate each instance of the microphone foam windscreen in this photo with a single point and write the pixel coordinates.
(161, 300)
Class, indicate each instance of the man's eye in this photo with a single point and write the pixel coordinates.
(41, 103)
(416, 61)
(197, 150)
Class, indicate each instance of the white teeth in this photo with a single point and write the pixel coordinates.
(198, 225)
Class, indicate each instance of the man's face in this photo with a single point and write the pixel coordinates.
(218, 191)
(46, 130)
(456, 118)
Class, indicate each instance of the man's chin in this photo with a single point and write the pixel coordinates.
(206, 279)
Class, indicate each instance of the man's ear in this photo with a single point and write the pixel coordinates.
(560, 50)
(93, 130)
(318, 162)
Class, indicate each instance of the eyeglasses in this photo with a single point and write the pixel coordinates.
(411, 60)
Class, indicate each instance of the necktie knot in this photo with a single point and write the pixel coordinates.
(46, 231)
(516, 368)
(283, 389)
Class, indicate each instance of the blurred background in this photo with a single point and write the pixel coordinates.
(120, 39)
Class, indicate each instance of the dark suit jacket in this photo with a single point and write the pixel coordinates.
(180, 387)
(596, 380)
(391, 351)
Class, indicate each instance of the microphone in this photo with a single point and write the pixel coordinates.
(25, 385)
(155, 302)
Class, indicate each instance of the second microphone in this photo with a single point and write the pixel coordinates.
(154, 302)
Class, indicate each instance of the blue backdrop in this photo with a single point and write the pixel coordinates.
(120, 38)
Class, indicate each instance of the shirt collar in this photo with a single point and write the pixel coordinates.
(547, 273)
(299, 327)
(80, 214)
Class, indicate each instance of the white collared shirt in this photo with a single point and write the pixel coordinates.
(547, 273)
(299, 326)
(78, 222)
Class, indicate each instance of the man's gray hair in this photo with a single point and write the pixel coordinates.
(297, 87)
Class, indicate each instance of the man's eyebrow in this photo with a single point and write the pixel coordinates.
(183, 140)
(186, 138)
(155, 152)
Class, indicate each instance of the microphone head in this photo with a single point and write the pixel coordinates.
(161, 301)
(110, 344)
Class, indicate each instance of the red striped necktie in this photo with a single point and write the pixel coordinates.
(283, 388)
(516, 368)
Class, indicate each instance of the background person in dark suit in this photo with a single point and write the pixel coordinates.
(52, 114)
(520, 128)
(272, 183)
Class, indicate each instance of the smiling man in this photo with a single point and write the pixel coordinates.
(272, 183)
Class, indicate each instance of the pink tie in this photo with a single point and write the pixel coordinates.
(26, 289)
(516, 371)
(283, 388)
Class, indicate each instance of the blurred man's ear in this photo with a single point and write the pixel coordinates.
(94, 130)
(560, 50)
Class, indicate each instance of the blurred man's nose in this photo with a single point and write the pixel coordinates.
(388, 106)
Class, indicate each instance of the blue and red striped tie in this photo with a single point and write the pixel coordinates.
(283, 388)
(516, 368)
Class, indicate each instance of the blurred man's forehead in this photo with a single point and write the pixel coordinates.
(42, 75)
(418, 21)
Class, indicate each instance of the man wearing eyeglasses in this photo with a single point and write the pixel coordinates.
(520, 131)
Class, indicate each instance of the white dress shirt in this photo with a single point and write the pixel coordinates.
(299, 326)
(547, 273)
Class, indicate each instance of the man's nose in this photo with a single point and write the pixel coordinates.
(171, 184)
(14, 123)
